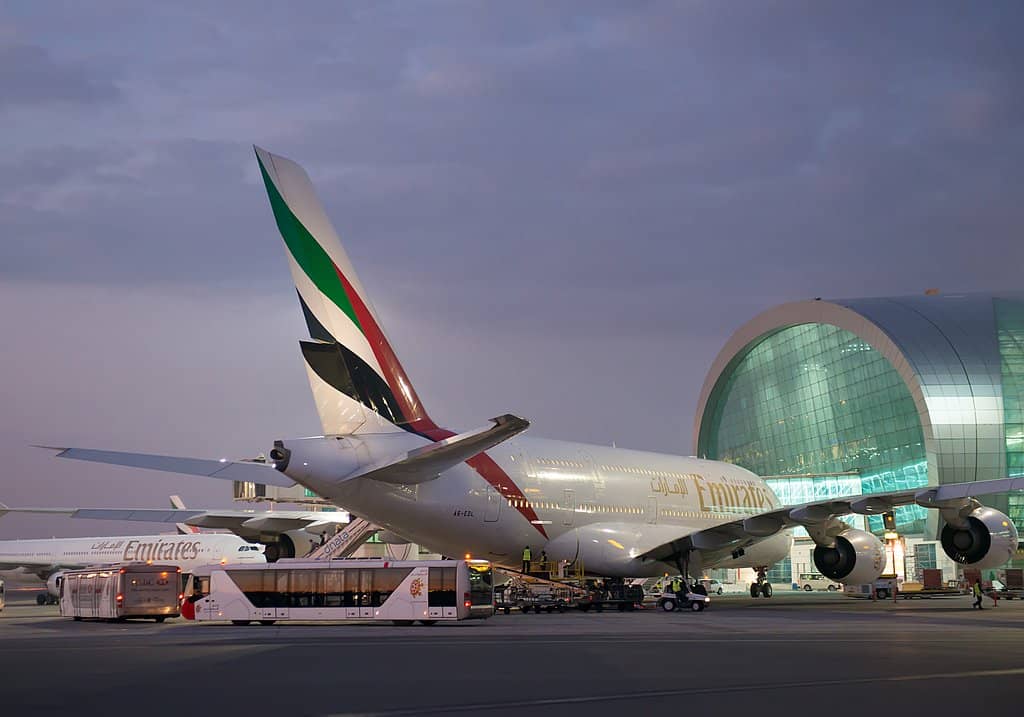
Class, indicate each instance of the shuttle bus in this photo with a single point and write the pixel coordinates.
(403, 591)
(119, 592)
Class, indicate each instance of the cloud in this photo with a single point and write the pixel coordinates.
(29, 76)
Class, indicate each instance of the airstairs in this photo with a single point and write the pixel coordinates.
(346, 541)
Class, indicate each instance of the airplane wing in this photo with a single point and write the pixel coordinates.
(227, 470)
(240, 522)
(426, 463)
(748, 529)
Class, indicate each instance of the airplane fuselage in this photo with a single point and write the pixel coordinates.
(574, 501)
(45, 556)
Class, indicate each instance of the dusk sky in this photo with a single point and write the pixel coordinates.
(560, 210)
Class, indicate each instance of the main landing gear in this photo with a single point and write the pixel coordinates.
(761, 586)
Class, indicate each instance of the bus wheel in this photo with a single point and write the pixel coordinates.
(271, 622)
(428, 623)
(78, 618)
(41, 599)
(160, 618)
(240, 622)
(402, 623)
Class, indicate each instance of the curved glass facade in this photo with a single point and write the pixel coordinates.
(1010, 331)
(819, 413)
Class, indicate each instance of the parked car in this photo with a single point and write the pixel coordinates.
(712, 586)
(816, 581)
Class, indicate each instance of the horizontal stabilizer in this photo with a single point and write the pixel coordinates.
(426, 463)
(223, 469)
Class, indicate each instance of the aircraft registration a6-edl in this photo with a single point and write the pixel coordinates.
(490, 492)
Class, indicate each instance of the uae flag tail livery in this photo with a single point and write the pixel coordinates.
(357, 381)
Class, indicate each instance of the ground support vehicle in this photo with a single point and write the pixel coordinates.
(1013, 584)
(536, 595)
(399, 591)
(882, 589)
(121, 591)
(670, 602)
(612, 596)
(931, 585)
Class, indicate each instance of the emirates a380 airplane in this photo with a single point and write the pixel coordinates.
(491, 492)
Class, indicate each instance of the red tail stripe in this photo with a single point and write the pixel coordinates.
(419, 421)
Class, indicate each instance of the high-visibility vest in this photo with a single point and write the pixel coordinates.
(527, 554)
(676, 587)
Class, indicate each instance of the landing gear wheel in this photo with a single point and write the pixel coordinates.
(808, 588)
(754, 590)
(668, 605)
(428, 623)
(766, 590)
(696, 606)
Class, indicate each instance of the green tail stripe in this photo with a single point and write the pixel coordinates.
(314, 261)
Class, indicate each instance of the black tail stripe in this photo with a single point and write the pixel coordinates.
(316, 329)
(346, 372)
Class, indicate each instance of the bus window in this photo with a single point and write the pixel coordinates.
(332, 585)
(303, 584)
(386, 581)
(441, 587)
(481, 586)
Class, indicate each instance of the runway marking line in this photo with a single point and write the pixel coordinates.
(682, 692)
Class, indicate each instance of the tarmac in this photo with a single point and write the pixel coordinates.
(795, 653)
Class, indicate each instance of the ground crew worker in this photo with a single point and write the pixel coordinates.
(977, 595)
(527, 555)
(544, 563)
(677, 587)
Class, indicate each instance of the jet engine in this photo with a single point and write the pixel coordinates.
(53, 583)
(987, 539)
(291, 544)
(857, 558)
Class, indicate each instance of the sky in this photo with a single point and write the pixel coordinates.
(560, 210)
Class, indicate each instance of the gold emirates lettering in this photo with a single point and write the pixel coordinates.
(716, 496)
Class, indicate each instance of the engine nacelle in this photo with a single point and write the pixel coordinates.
(857, 558)
(291, 544)
(53, 583)
(988, 540)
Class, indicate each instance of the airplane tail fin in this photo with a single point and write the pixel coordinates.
(357, 381)
(183, 528)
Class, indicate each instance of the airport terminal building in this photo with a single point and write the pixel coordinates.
(836, 397)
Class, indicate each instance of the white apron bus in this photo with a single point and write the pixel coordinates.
(361, 589)
(120, 592)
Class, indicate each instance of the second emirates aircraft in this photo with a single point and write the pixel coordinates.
(491, 492)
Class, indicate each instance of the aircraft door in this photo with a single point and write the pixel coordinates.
(569, 506)
(492, 510)
(652, 510)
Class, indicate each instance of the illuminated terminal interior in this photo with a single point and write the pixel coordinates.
(835, 398)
